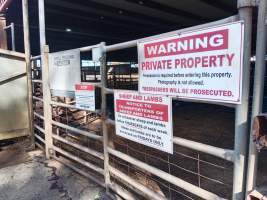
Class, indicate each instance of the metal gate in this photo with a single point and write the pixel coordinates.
(130, 170)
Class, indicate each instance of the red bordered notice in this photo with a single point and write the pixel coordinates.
(204, 64)
(146, 119)
(85, 97)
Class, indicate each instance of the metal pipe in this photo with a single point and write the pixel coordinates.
(39, 128)
(166, 176)
(241, 113)
(38, 115)
(143, 190)
(225, 154)
(35, 57)
(85, 174)
(13, 36)
(133, 43)
(39, 138)
(76, 130)
(37, 98)
(27, 49)
(258, 90)
(79, 160)
(41, 9)
(80, 147)
(70, 106)
(46, 103)
(103, 72)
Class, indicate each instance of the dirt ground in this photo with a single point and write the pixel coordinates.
(28, 176)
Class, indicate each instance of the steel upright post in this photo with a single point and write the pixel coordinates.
(258, 90)
(27, 49)
(47, 103)
(41, 9)
(103, 72)
(241, 114)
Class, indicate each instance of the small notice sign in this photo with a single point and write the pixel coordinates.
(146, 119)
(64, 69)
(205, 64)
(85, 97)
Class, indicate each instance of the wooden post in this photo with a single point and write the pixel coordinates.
(47, 103)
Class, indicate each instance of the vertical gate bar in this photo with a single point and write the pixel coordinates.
(258, 90)
(13, 36)
(27, 49)
(103, 72)
(41, 9)
(241, 113)
(47, 103)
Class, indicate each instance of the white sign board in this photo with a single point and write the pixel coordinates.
(64, 70)
(145, 119)
(204, 64)
(85, 97)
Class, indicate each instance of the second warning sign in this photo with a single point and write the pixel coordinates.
(146, 119)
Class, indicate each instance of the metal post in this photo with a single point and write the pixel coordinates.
(12, 26)
(258, 90)
(47, 103)
(103, 73)
(27, 49)
(41, 24)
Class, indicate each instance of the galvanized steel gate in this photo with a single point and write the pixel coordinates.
(105, 156)
(99, 154)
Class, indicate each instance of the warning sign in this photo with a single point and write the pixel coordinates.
(85, 97)
(204, 64)
(145, 119)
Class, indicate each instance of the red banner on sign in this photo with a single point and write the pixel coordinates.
(141, 109)
(209, 41)
(84, 87)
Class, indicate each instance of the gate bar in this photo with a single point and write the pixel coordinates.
(133, 43)
(166, 176)
(27, 49)
(258, 90)
(241, 112)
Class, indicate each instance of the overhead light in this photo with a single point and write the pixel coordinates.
(141, 2)
(102, 17)
(68, 30)
(120, 12)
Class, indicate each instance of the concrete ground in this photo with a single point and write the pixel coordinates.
(28, 176)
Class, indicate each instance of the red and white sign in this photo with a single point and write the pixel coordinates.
(204, 64)
(145, 119)
(85, 97)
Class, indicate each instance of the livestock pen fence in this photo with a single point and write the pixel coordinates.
(85, 140)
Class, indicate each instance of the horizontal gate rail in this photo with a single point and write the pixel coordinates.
(37, 81)
(166, 176)
(91, 135)
(54, 103)
(39, 138)
(225, 154)
(39, 128)
(80, 147)
(38, 115)
(133, 43)
(79, 160)
(96, 180)
(37, 98)
(143, 190)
